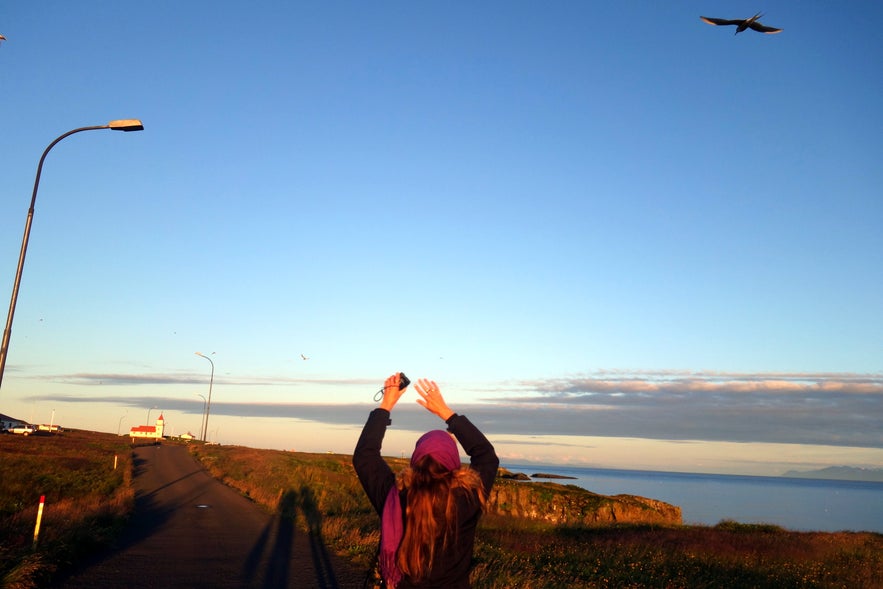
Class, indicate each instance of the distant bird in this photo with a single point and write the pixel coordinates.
(304, 357)
(742, 24)
(2, 38)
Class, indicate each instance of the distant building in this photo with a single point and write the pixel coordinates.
(150, 432)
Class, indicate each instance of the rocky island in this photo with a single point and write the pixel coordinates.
(542, 475)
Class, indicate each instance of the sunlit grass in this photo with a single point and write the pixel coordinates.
(87, 501)
(513, 552)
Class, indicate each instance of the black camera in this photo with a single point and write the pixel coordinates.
(403, 382)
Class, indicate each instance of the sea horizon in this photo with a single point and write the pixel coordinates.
(792, 502)
(801, 475)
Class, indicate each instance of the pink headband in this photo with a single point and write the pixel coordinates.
(441, 446)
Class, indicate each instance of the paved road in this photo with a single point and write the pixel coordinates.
(191, 532)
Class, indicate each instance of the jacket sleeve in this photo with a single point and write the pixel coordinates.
(374, 473)
(482, 456)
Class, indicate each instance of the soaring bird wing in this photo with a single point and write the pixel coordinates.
(763, 28)
(721, 21)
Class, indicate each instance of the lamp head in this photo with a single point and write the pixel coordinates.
(126, 125)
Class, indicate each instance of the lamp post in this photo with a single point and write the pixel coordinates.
(202, 425)
(120, 422)
(120, 125)
(148, 414)
(208, 405)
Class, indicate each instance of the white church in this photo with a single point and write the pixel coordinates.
(151, 432)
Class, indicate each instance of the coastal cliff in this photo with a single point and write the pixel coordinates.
(569, 504)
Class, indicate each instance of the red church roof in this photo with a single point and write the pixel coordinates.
(144, 428)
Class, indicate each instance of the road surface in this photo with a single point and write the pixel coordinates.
(191, 532)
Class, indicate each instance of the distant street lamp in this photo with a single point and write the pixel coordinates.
(121, 125)
(202, 425)
(148, 414)
(208, 406)
(120, 423)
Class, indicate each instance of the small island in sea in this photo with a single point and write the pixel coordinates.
(520, 476)
(543, 475)
(840, 473)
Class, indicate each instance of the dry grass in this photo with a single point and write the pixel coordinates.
(87, 501)
(526, 554)
(726, 555)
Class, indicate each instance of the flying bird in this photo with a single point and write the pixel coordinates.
(304, 357)
(2, 38)
(742, 24)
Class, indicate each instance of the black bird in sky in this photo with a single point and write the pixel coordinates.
(743, 23)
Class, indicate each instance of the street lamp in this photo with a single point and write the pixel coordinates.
(148, 414)
(202, 425)
(208, 406)
(120, 125)
(120, 423)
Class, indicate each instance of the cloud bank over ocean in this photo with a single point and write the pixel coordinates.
(796, 408)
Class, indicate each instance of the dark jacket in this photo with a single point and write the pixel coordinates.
(451, 567)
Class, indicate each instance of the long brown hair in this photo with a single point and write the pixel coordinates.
(431, 511)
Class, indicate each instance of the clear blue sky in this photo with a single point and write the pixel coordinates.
(594, 224)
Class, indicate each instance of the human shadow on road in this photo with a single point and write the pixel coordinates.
(279, 547)
(321, 558)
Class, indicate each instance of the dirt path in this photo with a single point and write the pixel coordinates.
(191, 532)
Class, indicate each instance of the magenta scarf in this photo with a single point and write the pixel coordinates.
(443, 449)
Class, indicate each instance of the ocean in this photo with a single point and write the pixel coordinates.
(707, 499)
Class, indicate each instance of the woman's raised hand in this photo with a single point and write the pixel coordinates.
(391, 391)
(431, 398)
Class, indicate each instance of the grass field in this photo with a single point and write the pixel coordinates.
(87, 502)
(511, 552)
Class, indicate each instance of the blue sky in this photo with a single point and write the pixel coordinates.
(604, 229)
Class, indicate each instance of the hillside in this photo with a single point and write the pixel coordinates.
(571, 505)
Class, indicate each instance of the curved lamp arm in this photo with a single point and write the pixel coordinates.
(118, 125)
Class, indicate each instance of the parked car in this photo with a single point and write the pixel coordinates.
(24, 430)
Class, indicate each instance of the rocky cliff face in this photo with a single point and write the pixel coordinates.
(569, 504)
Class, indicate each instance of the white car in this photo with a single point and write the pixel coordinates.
(24, 430)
